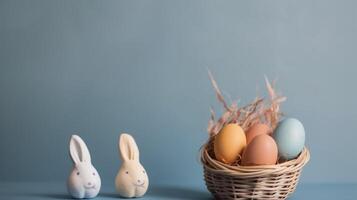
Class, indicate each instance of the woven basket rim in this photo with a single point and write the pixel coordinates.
(221, 168)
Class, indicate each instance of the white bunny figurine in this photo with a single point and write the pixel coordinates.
(132, 179)
(84, 180)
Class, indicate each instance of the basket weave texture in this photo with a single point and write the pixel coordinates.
(251, 182)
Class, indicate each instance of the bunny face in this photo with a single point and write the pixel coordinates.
(132, 179)
(84, 180)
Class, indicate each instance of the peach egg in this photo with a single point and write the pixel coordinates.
(257, 129)
(262, 150)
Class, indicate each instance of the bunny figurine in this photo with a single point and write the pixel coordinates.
(132, 179)
(84, 180)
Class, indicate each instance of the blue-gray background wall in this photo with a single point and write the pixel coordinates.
(98, 68)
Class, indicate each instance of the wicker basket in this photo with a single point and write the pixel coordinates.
(251, 182)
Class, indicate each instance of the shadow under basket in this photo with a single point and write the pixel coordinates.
(251, 182)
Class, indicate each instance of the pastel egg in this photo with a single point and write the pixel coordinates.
(257, 129)
(229, 143)
(290, 138)
(261, 151)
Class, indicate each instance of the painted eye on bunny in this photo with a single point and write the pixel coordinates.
(127, 172)
(93, 173)
(78, 173)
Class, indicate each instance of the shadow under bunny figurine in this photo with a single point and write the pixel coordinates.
(132, 179)
(84, 180)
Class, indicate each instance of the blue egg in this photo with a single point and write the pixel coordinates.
(290, 138)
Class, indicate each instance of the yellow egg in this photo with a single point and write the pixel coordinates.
(229, 143)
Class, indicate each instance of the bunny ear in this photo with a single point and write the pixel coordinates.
(128, 148)
(78, 150)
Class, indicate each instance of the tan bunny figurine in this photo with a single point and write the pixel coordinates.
(132, 179)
